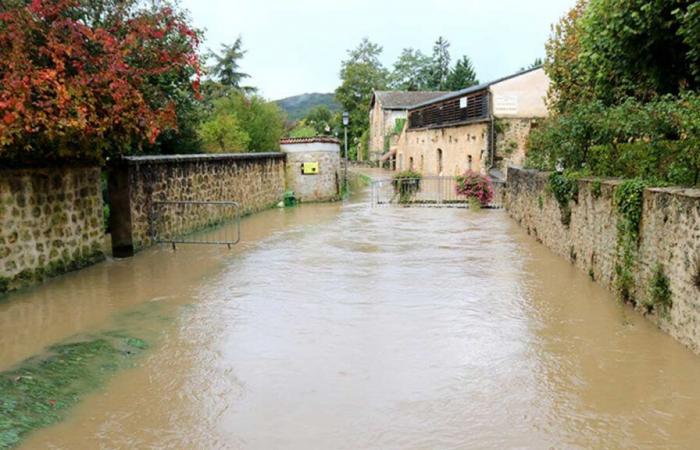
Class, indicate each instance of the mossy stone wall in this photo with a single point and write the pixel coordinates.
(255, 180)
(51, 222)
(669, 236)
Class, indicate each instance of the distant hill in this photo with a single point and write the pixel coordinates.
(299, 105)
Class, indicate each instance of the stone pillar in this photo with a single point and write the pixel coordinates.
(120, 210)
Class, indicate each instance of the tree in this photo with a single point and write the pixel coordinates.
(563, 64)
(538, 62)
(609, 50)
(260, 121)
(440, 65)
(222, 133)
(227, 67)
(361, 73)
(320, 118)
(411, 72)
(71, 88)
(462, 75)
(689, 31)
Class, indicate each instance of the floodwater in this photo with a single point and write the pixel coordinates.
(346, 327)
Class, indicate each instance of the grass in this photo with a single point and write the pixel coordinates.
(40, 390)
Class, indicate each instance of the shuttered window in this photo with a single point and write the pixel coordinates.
(450, 111)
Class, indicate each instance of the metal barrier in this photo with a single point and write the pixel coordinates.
(196, 222)
(429, 191)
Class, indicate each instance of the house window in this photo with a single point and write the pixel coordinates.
(439, 161)
(422, 163)
(469, 162)
(410, 163)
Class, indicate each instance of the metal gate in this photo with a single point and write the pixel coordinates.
(195, 222)
(429, 191)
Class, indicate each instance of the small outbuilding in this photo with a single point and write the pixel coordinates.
(313, 166)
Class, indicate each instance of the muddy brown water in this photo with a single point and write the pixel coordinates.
(345, 327)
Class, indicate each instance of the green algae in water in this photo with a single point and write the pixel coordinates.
(38, 392)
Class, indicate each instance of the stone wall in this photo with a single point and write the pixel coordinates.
(669, 235)
(51, 222)
(255, 180)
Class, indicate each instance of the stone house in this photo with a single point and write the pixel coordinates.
(387, 112)
(482, 128)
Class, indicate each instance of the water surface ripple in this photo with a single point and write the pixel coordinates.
(388, 328)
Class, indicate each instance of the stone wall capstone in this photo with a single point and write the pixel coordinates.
(51, 222)
(669, 236)
(255, 180)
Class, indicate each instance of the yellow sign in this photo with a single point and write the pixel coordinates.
(309, 168)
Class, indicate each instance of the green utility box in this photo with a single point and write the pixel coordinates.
(289, 199)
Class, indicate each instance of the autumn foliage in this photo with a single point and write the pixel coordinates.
(75, 87)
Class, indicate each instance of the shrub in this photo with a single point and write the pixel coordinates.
(658, 140)
(406, 184)
(474, 185)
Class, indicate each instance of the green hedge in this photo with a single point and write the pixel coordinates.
(657, 140)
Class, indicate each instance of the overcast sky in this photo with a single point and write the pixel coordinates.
(296, 46)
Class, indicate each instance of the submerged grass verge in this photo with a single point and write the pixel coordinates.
(40, 390)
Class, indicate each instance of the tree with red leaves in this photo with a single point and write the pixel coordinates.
(83, 79)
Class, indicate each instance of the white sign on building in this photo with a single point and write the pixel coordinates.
(505, 104)
(463, 102)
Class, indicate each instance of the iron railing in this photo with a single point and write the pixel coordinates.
(428, 191)
(196, 222)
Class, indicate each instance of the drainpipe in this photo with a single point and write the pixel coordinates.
(492, 137)
(492, 142)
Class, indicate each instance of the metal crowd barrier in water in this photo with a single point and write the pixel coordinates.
(428, 191)
(196, 222)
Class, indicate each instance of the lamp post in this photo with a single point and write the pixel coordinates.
(346, 121)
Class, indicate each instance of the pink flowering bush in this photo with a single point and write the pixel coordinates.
(474, 185)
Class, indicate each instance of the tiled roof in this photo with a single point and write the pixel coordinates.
(310, 140)
(405, 99)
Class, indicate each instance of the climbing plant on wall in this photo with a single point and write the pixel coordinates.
(628, 197)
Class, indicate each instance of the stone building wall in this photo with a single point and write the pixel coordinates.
(382, 125)
(375, 142)
(670, 236)
(255, 180)
(462, 147)
(51, 222)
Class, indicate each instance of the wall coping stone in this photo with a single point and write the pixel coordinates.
(207, 157)
(675, 190)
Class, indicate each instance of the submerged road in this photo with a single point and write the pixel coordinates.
(345, 327)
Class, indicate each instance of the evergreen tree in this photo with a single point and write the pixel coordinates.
(440, 65)
(538, 62)
(227, 69)
(462, 75)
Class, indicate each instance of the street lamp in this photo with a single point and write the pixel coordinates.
(346, 121)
